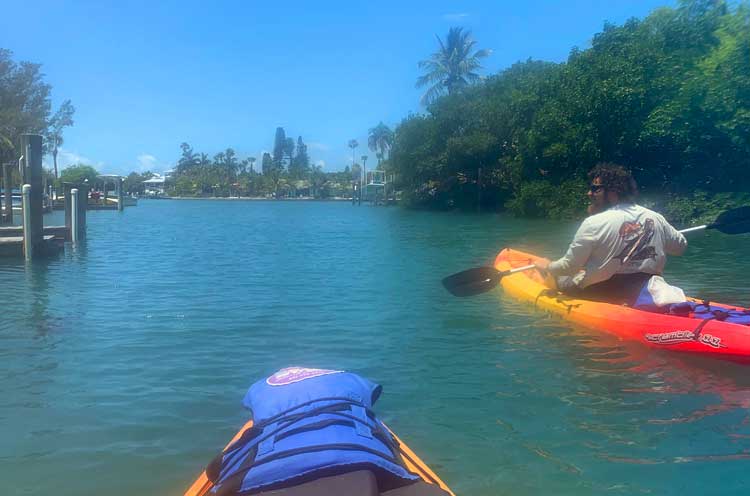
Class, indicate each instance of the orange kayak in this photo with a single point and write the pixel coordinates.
(429, 485)
(712, 337)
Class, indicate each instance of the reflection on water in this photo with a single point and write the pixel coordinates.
(609, 405)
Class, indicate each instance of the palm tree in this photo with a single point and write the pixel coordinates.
(452, 67)
(353, 145)
(380, 140)
(252, 161)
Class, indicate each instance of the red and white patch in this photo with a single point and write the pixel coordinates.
(630, 229)
(291, 375)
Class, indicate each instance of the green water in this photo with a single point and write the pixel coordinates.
(123, 362)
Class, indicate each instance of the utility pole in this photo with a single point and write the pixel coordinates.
(364, 170)
(353, 145)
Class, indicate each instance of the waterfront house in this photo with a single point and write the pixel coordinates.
(154, 186)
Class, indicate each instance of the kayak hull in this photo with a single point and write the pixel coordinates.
(413, 463)
(715, 338)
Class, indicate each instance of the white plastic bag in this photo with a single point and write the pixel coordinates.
(663, 293)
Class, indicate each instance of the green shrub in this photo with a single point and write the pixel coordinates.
(546, 200)
(78, 175)
(699, 207)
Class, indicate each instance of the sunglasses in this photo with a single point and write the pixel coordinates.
(595, 188)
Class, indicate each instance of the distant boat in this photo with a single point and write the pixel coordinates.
(17, 199)
(16, 195)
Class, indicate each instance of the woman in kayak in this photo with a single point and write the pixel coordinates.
(618, 247)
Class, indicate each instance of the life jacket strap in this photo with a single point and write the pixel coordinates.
(362, 428)
(256, 447)
(326, 447)
(258, 450)
(342, 399)
(267, 444)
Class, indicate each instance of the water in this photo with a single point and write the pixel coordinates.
(123, 362)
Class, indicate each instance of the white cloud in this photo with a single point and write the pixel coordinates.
(146, 162)
(455, 17)
(318, 146)
(66, 158)
(321, 164)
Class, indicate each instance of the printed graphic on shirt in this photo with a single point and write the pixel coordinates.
(637, 239)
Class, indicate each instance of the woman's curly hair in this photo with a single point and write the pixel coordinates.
(615, 177)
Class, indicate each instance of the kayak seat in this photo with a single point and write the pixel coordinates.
(359, 483)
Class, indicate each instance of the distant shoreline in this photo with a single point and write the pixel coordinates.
(242, 198)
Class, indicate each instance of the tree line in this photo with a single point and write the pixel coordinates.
(286, 172)
(668, 96)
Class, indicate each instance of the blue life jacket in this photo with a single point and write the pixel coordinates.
(701, 311)
(707, 310)
(309, 423)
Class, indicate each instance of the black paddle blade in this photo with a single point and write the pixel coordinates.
(473, 281)
(734, 221)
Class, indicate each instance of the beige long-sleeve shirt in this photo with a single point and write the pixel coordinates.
(624, 239)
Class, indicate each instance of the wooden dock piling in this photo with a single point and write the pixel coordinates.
(83, 195)
(31, 144)
(74, 217)
(32, 240)
(28, 244)
(67, 196)
(6, 216)
(120, 196)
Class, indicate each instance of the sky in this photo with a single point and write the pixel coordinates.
(145, 77)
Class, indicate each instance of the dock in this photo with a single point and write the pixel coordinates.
(32, 240)
(373, 187)
(13, 246)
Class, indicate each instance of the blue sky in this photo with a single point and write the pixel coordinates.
(147, 76)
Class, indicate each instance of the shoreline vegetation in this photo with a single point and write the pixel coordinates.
(667, 96)
(250, 198)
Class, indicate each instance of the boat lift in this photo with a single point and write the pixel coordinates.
(375, 184)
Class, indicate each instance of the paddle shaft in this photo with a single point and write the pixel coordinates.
(519, 269)
(696, 228)
(640, 238)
